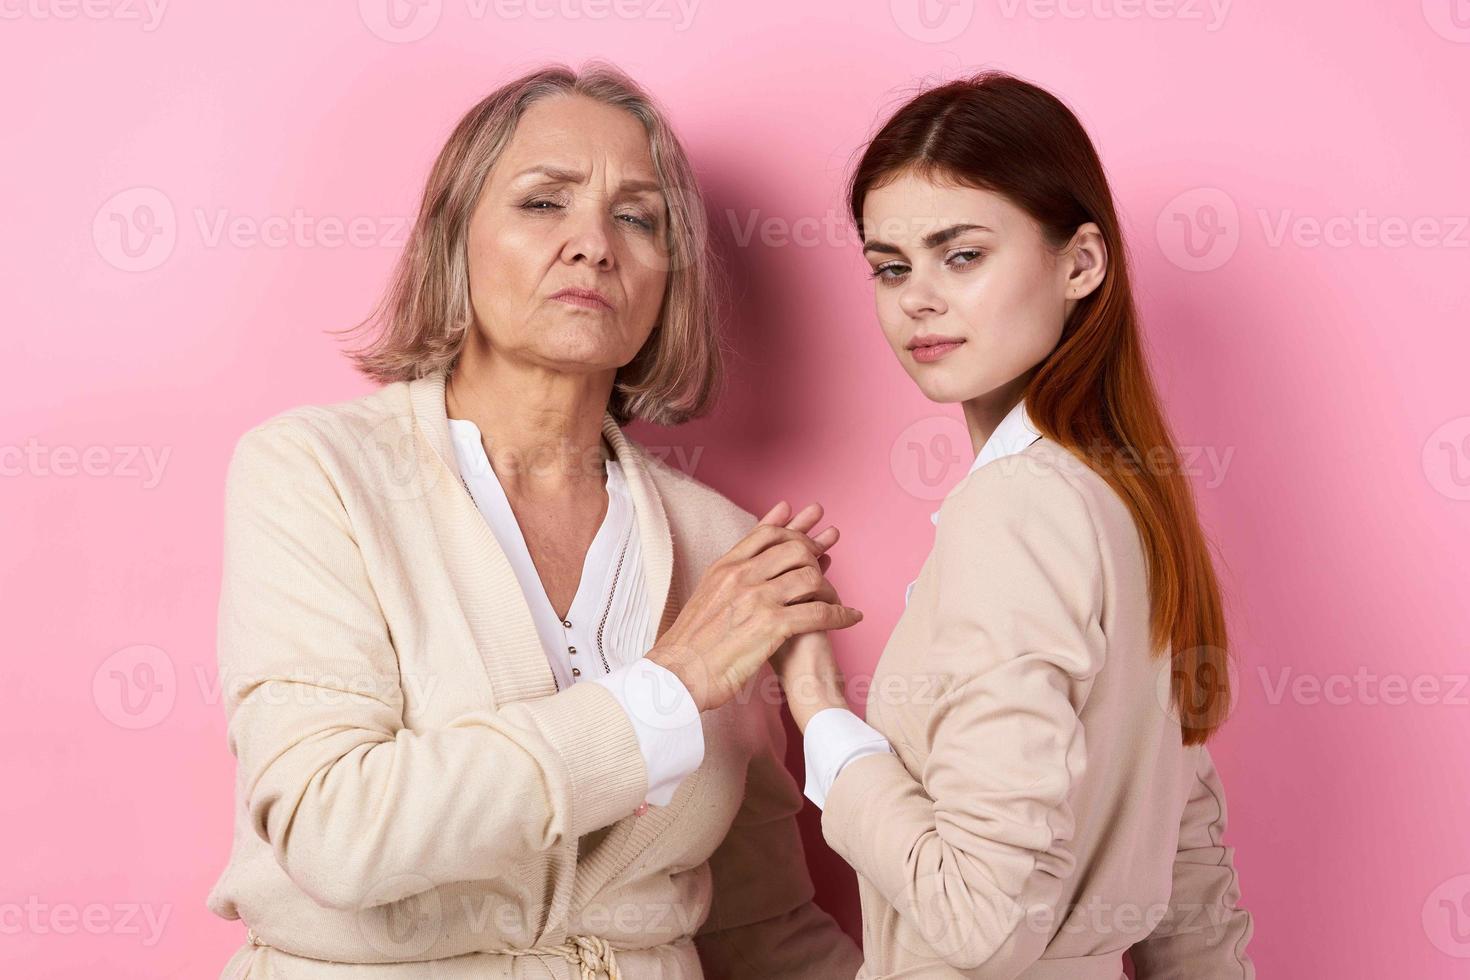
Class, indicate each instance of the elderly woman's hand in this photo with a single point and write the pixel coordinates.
(766, 589)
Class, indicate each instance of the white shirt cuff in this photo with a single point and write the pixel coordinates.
(835, 737)
(665, 720)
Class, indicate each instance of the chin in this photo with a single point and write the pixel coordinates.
(576, 344)
(943, 386)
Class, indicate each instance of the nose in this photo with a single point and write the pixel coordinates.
(588, 242)
(918, 298)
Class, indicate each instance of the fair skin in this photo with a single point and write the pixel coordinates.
(971, 299)
(574, 203)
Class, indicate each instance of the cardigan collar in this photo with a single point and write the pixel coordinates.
(521, 667)
(1015, 432)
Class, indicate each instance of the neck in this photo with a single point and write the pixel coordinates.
(984, 412)
(542, 428)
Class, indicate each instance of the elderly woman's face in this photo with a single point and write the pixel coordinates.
(567, 251)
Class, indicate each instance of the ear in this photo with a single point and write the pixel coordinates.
(1085, 260)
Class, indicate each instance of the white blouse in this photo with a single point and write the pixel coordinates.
(836, 736)
(608, 627)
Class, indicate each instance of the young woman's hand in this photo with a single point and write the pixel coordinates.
(808, 671)
(765, 590)
(809, 676)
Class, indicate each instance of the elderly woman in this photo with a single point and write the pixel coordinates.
(495, 678)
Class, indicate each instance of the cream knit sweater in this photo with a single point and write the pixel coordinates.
(413, 798)
(1040, 815)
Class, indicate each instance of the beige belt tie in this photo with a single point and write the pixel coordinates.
(592, 955)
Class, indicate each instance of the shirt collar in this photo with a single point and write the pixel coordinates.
(1014, 433)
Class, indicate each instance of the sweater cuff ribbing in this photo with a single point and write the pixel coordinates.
(599, 750)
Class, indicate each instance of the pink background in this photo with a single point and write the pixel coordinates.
(1292, 177)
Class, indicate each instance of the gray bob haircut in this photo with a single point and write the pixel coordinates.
(420, 325)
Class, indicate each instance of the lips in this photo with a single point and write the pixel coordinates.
(587, 298)
(928, 349)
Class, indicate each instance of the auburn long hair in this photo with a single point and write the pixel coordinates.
(1093, 393)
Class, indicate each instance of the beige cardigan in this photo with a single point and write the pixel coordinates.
(413, 798)
(1040, 814)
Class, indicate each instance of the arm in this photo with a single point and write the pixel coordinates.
(763, 922)
(358, 810)
(1204, 933)
(832, 735)
(835, 737)
(665, 720)
(1009, 623)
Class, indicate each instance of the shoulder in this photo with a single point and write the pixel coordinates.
(321, 456)
(1045, 501)
(332, 430)
(1043, 475)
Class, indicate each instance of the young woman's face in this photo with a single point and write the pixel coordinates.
(573, 202)
(969, 294)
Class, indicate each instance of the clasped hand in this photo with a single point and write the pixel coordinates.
(767, 598)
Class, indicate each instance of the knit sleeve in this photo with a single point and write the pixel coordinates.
(763, 921)
(1010, 632)
(358, 809)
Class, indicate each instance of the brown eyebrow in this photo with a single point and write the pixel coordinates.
(932, 240)
(576, 177)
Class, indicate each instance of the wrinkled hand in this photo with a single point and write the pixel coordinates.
(805, 664)
(765, 590)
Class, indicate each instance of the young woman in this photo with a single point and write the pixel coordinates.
(1031, 795)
